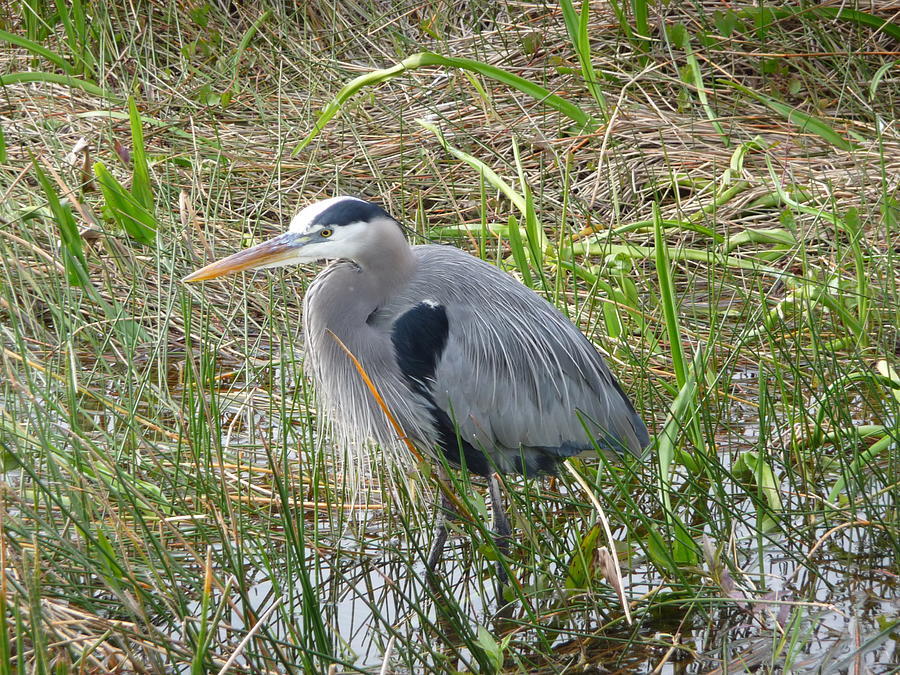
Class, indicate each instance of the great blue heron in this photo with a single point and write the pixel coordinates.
(469, 362)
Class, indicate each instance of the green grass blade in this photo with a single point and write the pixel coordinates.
(858, 466)
(775, 235)
(536, 238)
(892, 376)
(681, 416)
(854, 231)
(127, 211)
(246, 39)
(570, 18)
(880, 25)
(517, 248)
(489, 174)
(667, 298)
(72, 16)
(765, 16)
(752, 463)
(38, 50)
(696, 255)
(577, 26)
(491, 651)
(683, 40)
(583, 120)
(879, 75)
(624, 26)
(641, 9)
(581, 568)
(72, 244)
(140, 182)
(804, 121)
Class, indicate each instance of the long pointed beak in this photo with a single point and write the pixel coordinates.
(278, 251)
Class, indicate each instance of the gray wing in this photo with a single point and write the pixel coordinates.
(516, 378)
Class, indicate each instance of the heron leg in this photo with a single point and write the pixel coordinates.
(440, 533)
(502, 530)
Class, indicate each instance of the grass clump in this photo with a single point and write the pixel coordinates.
(711, 193)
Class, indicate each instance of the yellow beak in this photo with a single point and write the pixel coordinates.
(278, 251)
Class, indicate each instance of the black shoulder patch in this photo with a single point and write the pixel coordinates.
(419, 337)
(348, 211)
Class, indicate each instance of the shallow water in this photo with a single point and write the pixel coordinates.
(848, 596)
(827, 604)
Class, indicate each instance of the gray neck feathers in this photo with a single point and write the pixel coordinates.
(387, 264)
(339, 301)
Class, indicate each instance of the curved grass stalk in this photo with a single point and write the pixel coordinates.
(56, 78)
(595, 233)
(489, 174)
(426, 59)
(757, 465)
(614, 567)
(695, 255)
(879, 75)
(782, 239)
(857, 466)
(888, 371)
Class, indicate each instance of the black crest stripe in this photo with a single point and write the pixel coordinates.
(349, 211)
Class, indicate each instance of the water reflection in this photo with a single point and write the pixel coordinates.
(368, 594)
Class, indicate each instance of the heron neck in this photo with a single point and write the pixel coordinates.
(389, 269)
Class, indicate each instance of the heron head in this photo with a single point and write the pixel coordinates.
(340, 227)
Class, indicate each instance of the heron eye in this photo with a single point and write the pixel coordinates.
(326, 233)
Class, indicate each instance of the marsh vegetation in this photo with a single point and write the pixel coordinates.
(710, 191)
